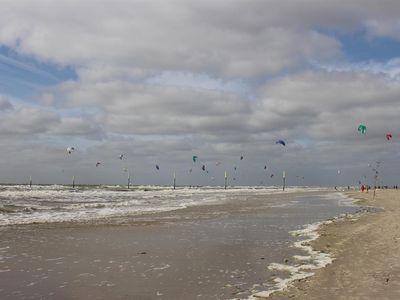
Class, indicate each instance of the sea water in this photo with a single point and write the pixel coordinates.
(195, 243)
(21, 204)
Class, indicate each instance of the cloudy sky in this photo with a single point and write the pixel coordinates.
(161, 81)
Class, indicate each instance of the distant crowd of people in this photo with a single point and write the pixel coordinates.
(367, 187)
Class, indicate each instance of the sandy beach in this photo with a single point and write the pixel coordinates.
(366, 252)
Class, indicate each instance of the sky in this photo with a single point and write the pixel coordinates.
(161, 81)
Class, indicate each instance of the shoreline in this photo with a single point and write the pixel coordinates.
(364, 249)
(312, 259)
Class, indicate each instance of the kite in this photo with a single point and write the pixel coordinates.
(265, 167)
(272, 175)
(203, 167)
(241, 157)
(217, 163)
(121, 156)
(98, 164)
(338, 171)
(194, 158)
(280, 142)
(362, 128)
(389, 136)
(190, 171)
(157, 167)
(70, 150)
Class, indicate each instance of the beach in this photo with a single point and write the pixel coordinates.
(366, 254)
(220, 249)
(199, 150)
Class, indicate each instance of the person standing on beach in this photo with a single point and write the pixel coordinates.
(362, 188)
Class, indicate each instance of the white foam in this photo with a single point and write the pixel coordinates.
(162, 267)
(315, 259)
(55, 203)
(302, 257)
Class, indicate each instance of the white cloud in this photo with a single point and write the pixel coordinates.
(146, 109)
(5, 104)
(384, 28)
(78, 126)
(199, 82)
(159, 35)
(239, 38)
(27, 121)
(321, 105)
(330, 105)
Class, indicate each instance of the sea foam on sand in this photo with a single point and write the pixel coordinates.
(315, 258)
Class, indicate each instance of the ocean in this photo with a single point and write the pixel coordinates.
(151, 242)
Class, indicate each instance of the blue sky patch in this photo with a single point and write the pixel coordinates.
(360, 47)
(21, 76)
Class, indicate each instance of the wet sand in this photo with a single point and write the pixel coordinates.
(204, 252)
(366, 252)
